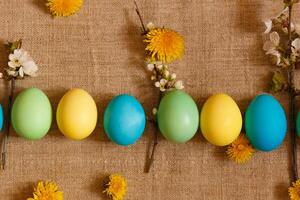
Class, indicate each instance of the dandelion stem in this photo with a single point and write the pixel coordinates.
(292, 104)
(8, 123)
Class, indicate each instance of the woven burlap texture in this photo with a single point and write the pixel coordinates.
(100, 50)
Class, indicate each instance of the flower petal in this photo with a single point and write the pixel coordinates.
(179, 85)
(21, 72)
(268, 45)
(157, 84)
(30, 68)
(12, 65)
(269, 25)
(11, 73)
(296, 45)
(18, 53)
(275, 38)
(12, 57)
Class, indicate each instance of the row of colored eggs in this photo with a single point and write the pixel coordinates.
(177, 116)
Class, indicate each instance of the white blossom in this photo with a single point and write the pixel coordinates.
(150, 26)
(166, 73)
(179, 85)
(173, 76)
(161, 84)
(154, 111)
(11, 73)
(268, 24)
(273, 42)
(296, 47)
(150, 66)
(159, 67)
(20, 64)
(276, 55)
(271, 45)
(17, 58)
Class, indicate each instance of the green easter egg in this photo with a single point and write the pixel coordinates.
(178, 116)
(31, 115)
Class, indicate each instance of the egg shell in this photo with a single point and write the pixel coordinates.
(31, 114)
(265, 123)
(76, 114)
(124, 120)
(221, 120)
(1, 117)
(178, 116)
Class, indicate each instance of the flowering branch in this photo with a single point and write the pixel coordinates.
(283, 46)
(150, 159)
(20, 65)
(159, 53)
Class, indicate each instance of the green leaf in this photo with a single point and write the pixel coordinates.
(278, 82)
(12, 46)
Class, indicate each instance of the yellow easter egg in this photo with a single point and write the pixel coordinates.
(221, 120)
(77, 114)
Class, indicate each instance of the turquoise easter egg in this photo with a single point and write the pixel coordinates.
(265, 123)
(31, 115)
(124, 120)
(1, 117)
(178, 116)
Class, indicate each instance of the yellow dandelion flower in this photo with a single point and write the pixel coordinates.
(164, 44)
(240, 150)
(115, 187)
(294, 191)
(47, 191)
(64, 7)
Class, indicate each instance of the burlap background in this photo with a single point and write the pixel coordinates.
(100, 49)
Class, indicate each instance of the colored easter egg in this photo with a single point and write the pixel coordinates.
(265, 123)
(1, 117)
(178, 116)
(31, 114)
(124, 120)
(76, 114)
(221, 120)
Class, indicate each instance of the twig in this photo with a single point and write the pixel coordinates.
(150, 160)
(292, 95)
(140, 17)
(8, 124)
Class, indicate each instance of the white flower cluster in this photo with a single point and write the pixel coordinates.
(276, 40)
(163, 79)
(21, 64)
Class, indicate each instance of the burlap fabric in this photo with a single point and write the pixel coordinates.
(100, 50)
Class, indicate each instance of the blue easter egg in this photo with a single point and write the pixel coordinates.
(124, 120)
(1, 117)
(265, 123)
